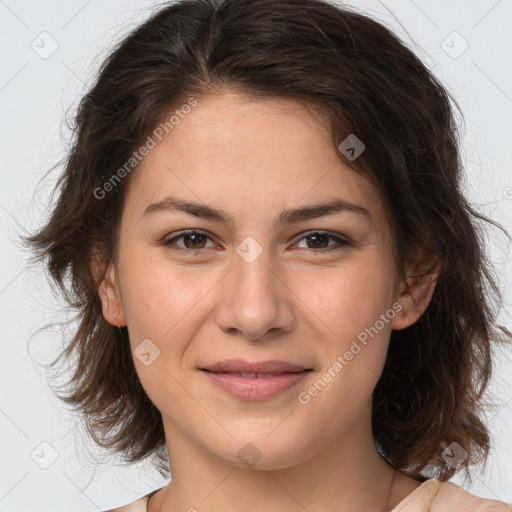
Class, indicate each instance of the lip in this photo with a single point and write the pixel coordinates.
(248, 387)
(240, 365)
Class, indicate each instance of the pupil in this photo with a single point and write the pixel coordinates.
(188, 237)
(316, 237)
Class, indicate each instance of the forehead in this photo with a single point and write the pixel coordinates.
(250, 157)
(247, 133)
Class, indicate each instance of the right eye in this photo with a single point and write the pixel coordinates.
(193, 240)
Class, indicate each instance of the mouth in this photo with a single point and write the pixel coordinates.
(252, 375)
(260, 368)
(255, 381)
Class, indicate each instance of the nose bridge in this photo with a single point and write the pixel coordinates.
(253, 274)
(253, 290)
(255, 301)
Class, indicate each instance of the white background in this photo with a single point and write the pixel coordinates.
(35, 94)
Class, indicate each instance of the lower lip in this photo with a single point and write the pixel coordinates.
(254, 388)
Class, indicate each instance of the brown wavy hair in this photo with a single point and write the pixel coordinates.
(363, 80)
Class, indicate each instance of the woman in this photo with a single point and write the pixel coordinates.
(280, 284)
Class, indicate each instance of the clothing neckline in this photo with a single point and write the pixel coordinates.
(396, 508)
(411, 495)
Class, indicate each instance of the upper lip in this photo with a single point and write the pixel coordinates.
(239, 365)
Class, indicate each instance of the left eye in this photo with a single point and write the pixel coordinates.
(317, 237)
(194, 241)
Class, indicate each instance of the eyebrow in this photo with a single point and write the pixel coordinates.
(289, 216)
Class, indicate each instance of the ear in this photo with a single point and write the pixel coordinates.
(108, 291)
(422, 279)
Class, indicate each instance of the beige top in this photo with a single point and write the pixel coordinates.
(431, 496)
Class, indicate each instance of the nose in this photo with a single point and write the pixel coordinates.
(256, 299)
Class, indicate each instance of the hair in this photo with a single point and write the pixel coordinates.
(362, 80)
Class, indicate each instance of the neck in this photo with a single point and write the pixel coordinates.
(346, 474)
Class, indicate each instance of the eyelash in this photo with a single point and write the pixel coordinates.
(343, 242)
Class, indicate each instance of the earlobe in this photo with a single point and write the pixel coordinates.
(111, 302)
(415, 301)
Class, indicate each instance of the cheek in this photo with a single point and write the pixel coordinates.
(158, 294)
(166, 310)
(348, 299)
(352, 364)
(356, 315)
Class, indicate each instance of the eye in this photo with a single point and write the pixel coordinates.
(319, 238)
(195, 240)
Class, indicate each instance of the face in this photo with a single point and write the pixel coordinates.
(314, 289)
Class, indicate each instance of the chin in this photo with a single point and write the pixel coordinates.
(259, 452)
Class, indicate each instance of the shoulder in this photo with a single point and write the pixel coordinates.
(450, 494)
(137, 506)
(436, 496)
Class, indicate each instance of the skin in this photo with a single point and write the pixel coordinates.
(253, 159)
